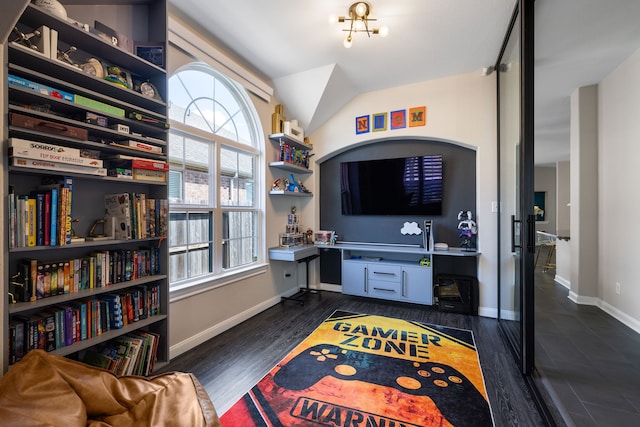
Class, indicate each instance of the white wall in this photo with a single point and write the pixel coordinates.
(460, 109)
(619, 203)
(545, 180)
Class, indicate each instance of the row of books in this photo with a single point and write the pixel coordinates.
(135, 216)
(131, 354)
(63, 325)
(42, 218)
(35, 279)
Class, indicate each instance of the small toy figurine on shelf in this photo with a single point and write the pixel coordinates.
(293, 184)
(467, 231)
(333, 239)
(277, 184)
(117, 76)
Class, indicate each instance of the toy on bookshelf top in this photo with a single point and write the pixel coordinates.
(54, 7)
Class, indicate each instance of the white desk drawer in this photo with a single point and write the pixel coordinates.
(385, 290)
(385, 272)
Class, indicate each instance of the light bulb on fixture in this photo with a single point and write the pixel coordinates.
(347, 42)
(361, 9)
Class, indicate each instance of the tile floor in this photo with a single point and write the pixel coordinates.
(588, 360)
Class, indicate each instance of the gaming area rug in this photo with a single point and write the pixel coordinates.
(357, 370)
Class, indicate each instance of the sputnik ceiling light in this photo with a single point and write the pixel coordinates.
(359, 22)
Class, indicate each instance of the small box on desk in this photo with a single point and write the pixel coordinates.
(457, 294)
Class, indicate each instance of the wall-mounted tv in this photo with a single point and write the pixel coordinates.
(400, 186)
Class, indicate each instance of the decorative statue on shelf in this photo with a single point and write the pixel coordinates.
(467, 231)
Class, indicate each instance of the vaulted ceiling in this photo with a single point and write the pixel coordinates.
(291, 44)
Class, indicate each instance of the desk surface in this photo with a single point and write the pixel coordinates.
(372, 247)
(294, 253)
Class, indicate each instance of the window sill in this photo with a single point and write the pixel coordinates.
(206, 284)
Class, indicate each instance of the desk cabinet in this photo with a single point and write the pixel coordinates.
(388, 280)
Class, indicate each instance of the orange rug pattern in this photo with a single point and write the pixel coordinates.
(358, 370)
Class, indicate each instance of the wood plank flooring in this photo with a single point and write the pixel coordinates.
(231, 363)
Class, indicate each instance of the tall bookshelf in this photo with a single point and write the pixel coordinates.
(143, 112)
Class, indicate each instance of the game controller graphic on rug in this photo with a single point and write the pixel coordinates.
(454, 395)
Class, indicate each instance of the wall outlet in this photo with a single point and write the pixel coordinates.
(494, 206)
(618, 288)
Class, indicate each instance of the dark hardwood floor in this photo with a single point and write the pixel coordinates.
(231, 363)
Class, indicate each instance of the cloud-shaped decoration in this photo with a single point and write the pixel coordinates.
(411, 228)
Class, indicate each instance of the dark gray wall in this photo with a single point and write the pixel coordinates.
(459, 193)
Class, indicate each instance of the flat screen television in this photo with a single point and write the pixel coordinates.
(399, 186)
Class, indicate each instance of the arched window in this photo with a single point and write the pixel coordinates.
(214, 153)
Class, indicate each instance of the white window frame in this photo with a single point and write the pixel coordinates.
(219, 276)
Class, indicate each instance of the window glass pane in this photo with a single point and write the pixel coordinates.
(199, 228)
(237, 181)
(175, 187)
(177, 229)
(242, 126)
(191, 246)
(239, 238)
(177, 265)
(200, 114)
(196, 188)
(196, 154)
(199, 264)
(225, 97)
(176, 149)
(184, 88)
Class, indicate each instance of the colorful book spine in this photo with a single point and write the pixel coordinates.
(54, 218)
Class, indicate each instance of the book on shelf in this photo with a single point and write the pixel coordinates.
(132, 162)
(31, 222)
(142, 146)
(56, 166)
(118, 208)
(149, 175)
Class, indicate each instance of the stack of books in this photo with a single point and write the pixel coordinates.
(24, 153)
(137, 168)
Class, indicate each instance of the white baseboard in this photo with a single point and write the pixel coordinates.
(330, 287)
(583, 300)
(562, 281)
(621, 316)
(607, 308)
(215, 330)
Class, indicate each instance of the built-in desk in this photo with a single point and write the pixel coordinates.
(303, 253)
(395, 272)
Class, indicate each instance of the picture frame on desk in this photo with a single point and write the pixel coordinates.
(151, 51)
